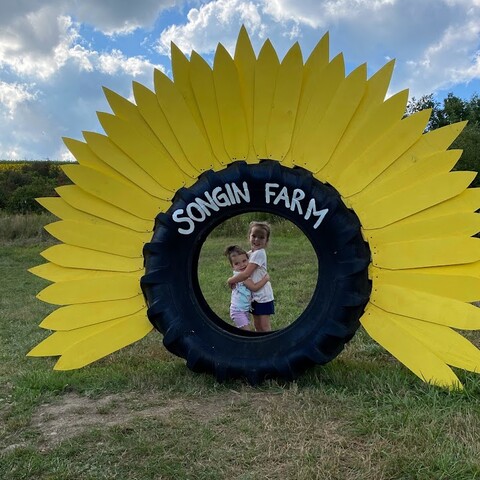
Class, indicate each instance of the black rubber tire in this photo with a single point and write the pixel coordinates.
(177, 308)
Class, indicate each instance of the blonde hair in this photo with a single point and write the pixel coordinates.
(263, 225)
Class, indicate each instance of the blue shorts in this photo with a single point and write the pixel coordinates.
(267, 308)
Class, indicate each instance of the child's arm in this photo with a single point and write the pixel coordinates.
(254, 287)
(242, 276)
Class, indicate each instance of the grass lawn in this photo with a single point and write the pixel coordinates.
(140, 414)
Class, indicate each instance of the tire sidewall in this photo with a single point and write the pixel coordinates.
(193, 331)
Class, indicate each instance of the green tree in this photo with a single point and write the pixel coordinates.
(451, 110)
(22, 200)
(425, 101)
(469, 142)
(20, 185)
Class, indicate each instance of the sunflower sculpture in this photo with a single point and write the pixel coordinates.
(404, 262)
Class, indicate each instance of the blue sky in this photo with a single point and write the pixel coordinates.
(55, 55)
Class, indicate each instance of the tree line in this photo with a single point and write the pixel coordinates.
(451, 110)
(22, 182)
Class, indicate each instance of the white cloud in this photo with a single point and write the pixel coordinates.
(212, 22)
(27, 50)
(65, 105)
(451, 60)
(44, 66)
(435, 42)
(51, 77)
(321, 14)
(64, 155)
(56, 54)
(32, 30)
(36, 20)
(115, 62)
(13, 94)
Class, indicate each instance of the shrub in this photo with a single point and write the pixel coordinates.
(21, 183)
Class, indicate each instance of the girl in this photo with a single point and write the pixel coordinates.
(262, 300)
(242, 291)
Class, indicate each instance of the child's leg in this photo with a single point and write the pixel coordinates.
(262, 323)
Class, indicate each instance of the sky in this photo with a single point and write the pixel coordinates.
(56, 55)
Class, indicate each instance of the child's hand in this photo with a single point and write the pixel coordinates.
(267, 276)
(230, 283)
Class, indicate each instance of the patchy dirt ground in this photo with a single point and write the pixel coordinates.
(72, 414)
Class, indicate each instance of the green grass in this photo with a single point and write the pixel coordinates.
(140, 414)
(23, 230)
(292, 265)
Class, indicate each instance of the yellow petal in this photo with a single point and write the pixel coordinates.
(85, 202)
(425, 306)
(310, 116)
(89, 290)
(230, 107)
(317, 60)
(120, 161)
(102, 343)
(183, 126)
(181, 76)
(374, 126)
(413, 198)
(382, 186)
(131, 199)
(426, 253)
(146, 151)
(59, 342)
(86, 157)
(156, 119)
(65, 211)
(384, 329)
(77, 257)
(72, 317)
(432, 142)
(56, 273)
(453, 225)
(61, 209)
(380, 155)
(447, 344)
(467, 201)
(313, 76)
(181, 73)
(201, 79)
(326, 135)
(158, 122)
(245, 61)
(123, 108)
(115, 240)
(470, 269)
(266, 70)
(159, 135)
(456, 285)
(374, 95)
(285, 104)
